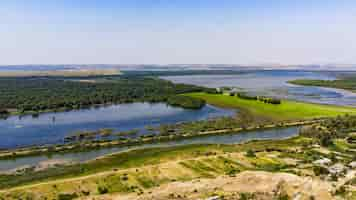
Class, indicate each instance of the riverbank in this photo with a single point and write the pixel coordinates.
(88, 146)
(139, 158)
(139, 171)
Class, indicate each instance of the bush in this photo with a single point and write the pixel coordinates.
(250, 153)
(270, 100)
(319, 170)
(4, 111)
(325, 140)
(274, 101)
(245, 96)
(246, 196)
(103, 190)
(341, 190)
(67, 196)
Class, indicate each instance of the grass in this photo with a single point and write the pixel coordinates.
(288, 110)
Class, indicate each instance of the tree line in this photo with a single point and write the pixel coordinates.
(267, 100)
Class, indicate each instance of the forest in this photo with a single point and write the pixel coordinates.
(42, 94)
(185, 102)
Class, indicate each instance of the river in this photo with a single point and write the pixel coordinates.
(51, 128)
(274, 83)
(276, 134)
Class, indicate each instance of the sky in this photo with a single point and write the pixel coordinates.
(177, 32)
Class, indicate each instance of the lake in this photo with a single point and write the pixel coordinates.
(274, 83)
(51, 128)
(240, 137)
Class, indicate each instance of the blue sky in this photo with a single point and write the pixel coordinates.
(172, 31)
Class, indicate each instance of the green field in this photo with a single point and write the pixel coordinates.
(288, 110)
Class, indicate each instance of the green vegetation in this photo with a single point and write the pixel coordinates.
(145, 157)
(259, 98)
(83, 141)
(336, 132)
(67, 196)
(89, 135)
(288, 110)
(250, 153)
(185, 102)
(347, 83)
(137, 170)
(42, 94)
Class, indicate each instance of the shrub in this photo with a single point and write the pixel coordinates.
(319, 170)
(4, 111)
(246, 196)
(103, 190)
(250, 153)
(85, 193)
(245, 96)
(274, 101)
(67, 196)
(341, 190)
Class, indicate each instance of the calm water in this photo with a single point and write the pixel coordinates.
(274, 83)
(217, 139)
(51, 128)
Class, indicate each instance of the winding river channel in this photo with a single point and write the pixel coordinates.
(240, 137)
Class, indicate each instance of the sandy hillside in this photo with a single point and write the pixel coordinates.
(262, 185)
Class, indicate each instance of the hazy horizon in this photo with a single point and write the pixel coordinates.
(255, 32)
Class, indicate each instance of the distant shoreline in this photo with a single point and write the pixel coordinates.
(64, 73)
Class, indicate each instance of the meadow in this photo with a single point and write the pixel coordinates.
(287, 110)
